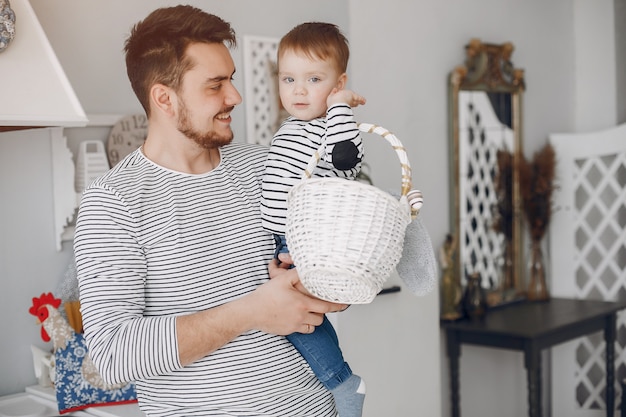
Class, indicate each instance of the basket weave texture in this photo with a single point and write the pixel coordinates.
(346, 237)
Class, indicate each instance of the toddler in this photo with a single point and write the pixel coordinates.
(312, 64)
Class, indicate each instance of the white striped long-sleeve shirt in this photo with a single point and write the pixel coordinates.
(152, 244)
(291, 150)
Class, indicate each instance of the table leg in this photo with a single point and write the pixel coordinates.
(532, 362)
(454, 353)
(609, 340)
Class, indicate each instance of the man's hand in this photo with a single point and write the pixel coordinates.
(282, 306)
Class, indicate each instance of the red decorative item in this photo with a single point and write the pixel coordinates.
(42, 313)
(78, 384)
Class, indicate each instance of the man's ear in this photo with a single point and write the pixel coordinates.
(341, 81)
(163, 99)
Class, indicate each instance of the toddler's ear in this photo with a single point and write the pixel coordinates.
(342, 81)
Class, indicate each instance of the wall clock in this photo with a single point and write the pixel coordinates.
(127, 134)
(7, 24)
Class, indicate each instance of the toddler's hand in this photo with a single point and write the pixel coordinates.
(349, 97)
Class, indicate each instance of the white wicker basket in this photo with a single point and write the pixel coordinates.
(346, 237)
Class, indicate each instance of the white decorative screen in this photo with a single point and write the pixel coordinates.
(261, 92)
(588, 250)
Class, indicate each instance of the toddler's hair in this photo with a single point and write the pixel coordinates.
(317, 40)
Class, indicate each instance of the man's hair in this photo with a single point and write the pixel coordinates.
(317, 40)
(155, 49)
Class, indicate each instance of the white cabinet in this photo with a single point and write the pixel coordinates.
(588, 258)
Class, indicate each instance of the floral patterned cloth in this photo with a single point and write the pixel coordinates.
(79, 385)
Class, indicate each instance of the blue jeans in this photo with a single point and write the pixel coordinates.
(320, 348)
(281, 245)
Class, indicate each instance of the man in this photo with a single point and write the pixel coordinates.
(171, 255)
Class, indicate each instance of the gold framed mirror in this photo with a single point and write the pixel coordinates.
(485, 117)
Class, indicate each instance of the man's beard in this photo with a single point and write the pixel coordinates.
(208, 140)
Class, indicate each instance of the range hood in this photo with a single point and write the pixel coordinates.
(34, 90)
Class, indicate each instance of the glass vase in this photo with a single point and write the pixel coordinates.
(507, 282)
(474, 299)
(537, 286)
(451, 294)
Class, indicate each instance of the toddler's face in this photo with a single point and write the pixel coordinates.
(304, 84)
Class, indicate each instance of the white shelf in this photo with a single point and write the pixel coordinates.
(66, 198)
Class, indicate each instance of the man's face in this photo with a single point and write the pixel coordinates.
(207, 96)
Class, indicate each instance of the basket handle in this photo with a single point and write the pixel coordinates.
(393, 141)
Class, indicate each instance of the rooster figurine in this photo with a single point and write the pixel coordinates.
(78, 383)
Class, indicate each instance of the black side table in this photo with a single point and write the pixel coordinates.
(531, 327)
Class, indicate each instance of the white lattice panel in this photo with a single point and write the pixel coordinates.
(261, 95)
(588, 251)
(481, 135)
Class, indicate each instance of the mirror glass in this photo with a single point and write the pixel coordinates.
(485, 118)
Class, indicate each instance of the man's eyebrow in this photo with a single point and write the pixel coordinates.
(217, 79)
(220, 78)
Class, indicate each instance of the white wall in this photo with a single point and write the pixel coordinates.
(29, 263)
(596, 90)
(620, 58)
(402, 52)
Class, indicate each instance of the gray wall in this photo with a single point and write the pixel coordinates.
(620, 55)
(405, 51)
(29, 263)
(402, 51)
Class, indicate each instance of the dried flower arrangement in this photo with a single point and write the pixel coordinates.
(536, 186)
(503, 216)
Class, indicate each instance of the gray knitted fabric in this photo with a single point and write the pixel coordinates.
(418, 266)
(67, 288)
